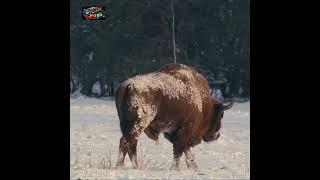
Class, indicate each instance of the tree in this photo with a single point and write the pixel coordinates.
(140, 36)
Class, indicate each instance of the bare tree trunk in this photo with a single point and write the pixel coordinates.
(102, 87)
(173, 34)
(87, 88)
(112, 88)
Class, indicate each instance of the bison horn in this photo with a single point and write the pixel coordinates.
(228, 106)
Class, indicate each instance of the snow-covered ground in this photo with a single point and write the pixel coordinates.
(95, 134)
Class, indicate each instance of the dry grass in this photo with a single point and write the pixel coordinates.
(157, 165)
(86, 173)
(109, 160)
(145, 161)
(90, 164)
(76, 162)
(106, 162)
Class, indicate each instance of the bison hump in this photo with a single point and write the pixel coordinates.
(175, 83)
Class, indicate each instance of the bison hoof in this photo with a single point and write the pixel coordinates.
(174, 168)
(192, 166)
(119, 166)
(157, 142)
(137, 168)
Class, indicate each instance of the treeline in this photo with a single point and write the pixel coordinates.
(210, 35)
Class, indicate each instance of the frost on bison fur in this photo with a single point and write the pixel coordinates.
(174, 100)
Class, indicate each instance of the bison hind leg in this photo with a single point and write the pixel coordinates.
(123, 150)
(133, 154)
(128, 145)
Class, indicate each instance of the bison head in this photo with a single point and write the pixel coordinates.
(213, 132)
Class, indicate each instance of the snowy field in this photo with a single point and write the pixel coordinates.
(95, 135)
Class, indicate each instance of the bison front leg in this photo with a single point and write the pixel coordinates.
(176, 139)
(177, 153)
(191, 164)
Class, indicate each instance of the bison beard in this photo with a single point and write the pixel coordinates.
(174, 100)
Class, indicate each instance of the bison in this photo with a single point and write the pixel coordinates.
(173, 100)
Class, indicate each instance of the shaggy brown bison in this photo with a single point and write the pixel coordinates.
(174, 100)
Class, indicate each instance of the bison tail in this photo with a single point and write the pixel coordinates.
(122, 105)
